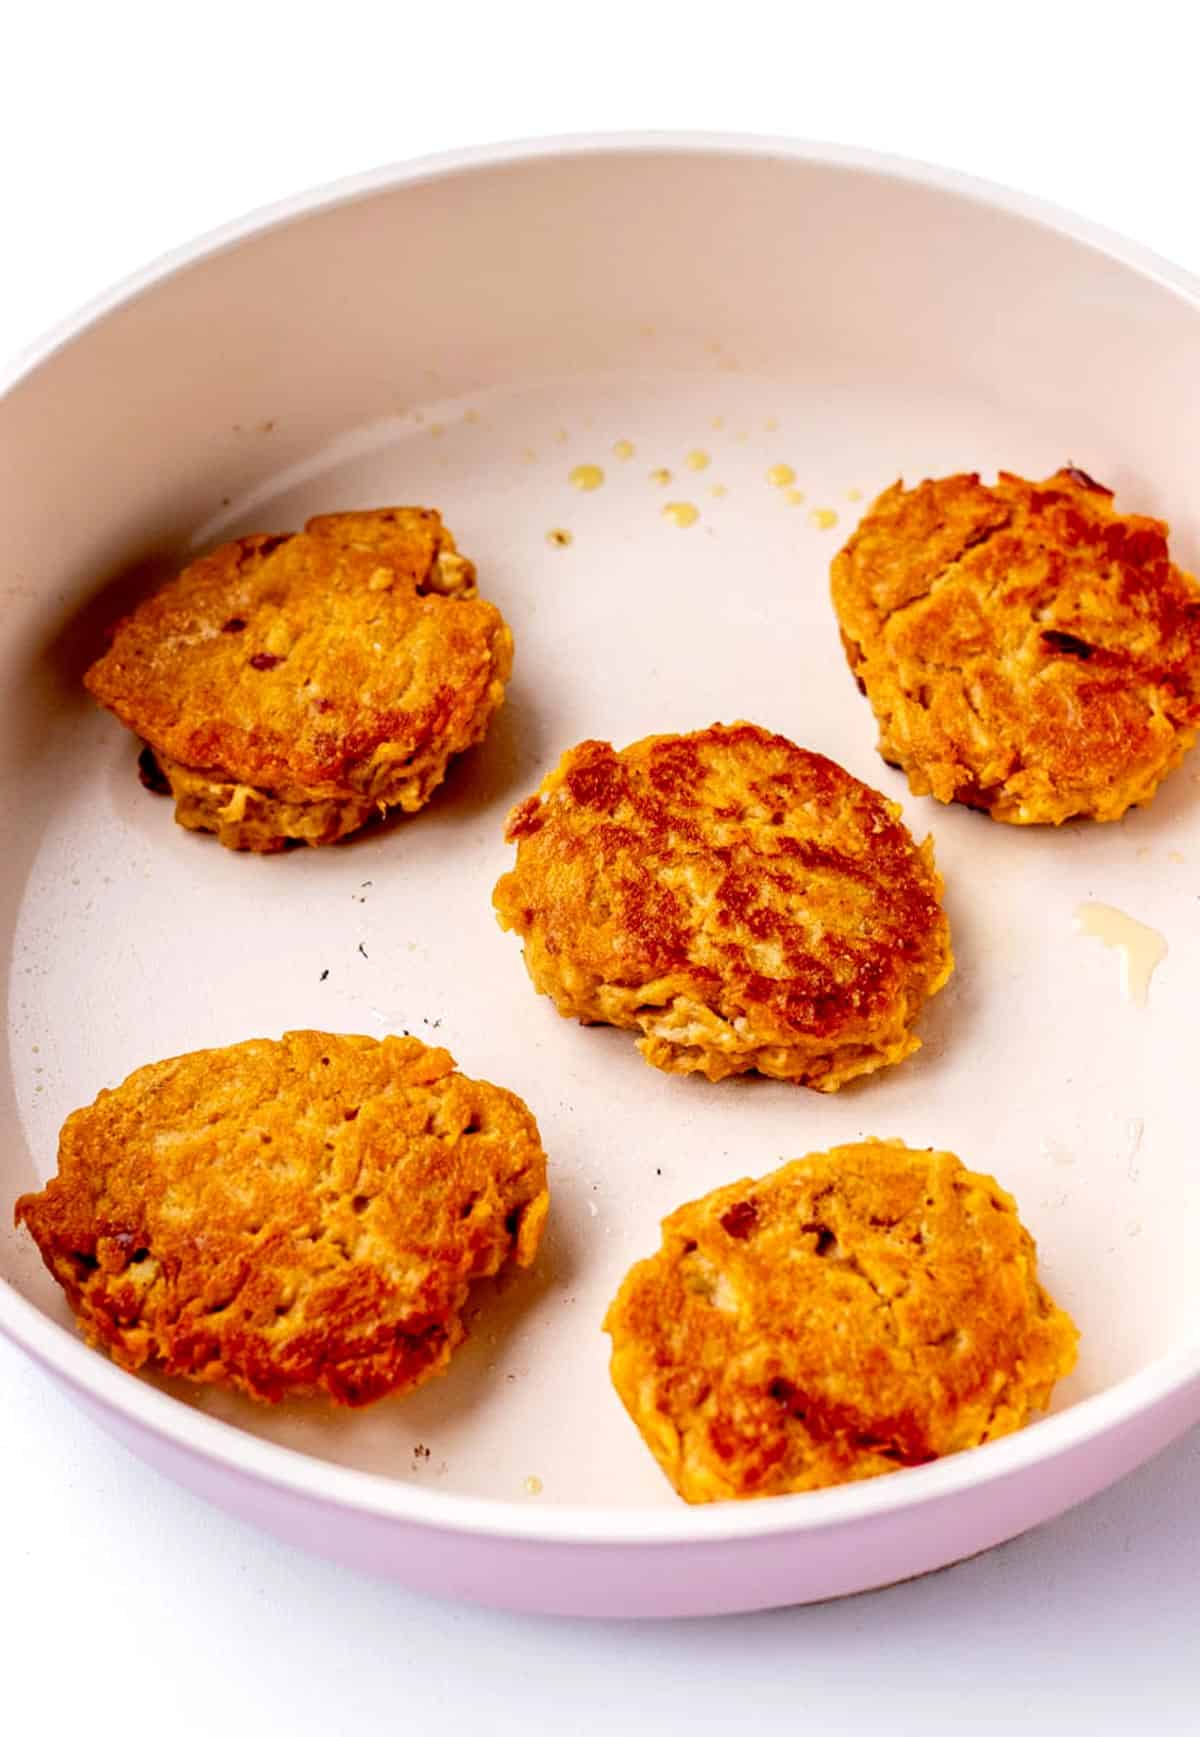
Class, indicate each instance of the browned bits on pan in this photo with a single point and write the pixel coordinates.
(1083, 480)
(235, 624)
(151, 773)
(265, 660)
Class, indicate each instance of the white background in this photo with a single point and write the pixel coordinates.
(125, 130)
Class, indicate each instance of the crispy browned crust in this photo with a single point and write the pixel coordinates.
(856, 1311)
(305, 682)
(244, 818)
(290, 1217)
(742, 902)
(1026, 649)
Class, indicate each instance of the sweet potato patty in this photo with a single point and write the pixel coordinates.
(1026, 649)
(288, 1217)
(856, 1311)
(290, 687)
(743, 903)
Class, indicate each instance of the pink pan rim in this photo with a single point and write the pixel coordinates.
(285, 1469)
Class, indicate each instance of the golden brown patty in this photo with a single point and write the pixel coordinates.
(857, 1310)
(743, 903)
(290, 1217)
(289, 687)
(1026, 649)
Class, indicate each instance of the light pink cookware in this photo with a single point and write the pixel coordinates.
(465, 333)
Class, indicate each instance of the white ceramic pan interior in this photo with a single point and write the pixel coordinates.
(464, 335)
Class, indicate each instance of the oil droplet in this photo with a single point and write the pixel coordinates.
(681, 513)
(854, 494)
(646, 331)
(1136, 1130)
(1176, 856)
(586, 477)
(780, 476)
(560, 434)
(718, 489)
(559, 539)
(715, 346)
(794, 497)
(771, 424)
(661, 476)
(1142, 949)
(623, 449)
(718, 422)
(470, 416)
(437, 429)
(534, 1486)
(528, 456)
(822, 518)
(698, 459)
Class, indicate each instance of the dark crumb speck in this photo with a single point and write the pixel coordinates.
(362, 950)
(658, 1169)
(1068, 643)
(740, 1220)
(324, 974)
(152, 774)
(1083, 480)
